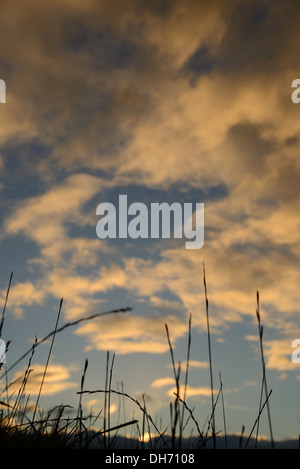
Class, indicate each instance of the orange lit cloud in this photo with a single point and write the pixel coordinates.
(43, 218)
(162, 382)
(132, 334)
(192, 391)
(57, 379)
(193, 364)
(279, 354)
(189, 391)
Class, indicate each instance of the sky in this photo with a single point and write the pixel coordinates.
(163, 101)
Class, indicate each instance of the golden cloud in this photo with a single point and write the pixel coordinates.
(162, 382)
(43, 218)
(192, 391)
(279, 354)
(57, 379)
(132, 334)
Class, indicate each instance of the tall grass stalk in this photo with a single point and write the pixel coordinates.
(210, 359)
(174, 414)
(257, 419)
(262, 389)
(260, 331)
(5, 303)
(109, 397)
(105, 400)
(194, 420)
(146, 420)
(186, 374)
(223, 411)
(79, 412)
(48, 359)
(241, 437)
(21, 390)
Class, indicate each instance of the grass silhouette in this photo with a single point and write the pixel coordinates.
(22, 428)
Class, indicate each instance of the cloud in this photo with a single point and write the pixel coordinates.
(251, 383)
(123, 61)
(92, 403)
(279, 355)
(162, 382)
(57, 379)
(43, 218)
(191, 364)
(26, 294)
(192, 391)
(163, 303)
(195, 364)
(188, 391)
(278, 351)
(132, 334)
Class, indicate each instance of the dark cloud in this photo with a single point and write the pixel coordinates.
(249, 149)
(258, 39)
